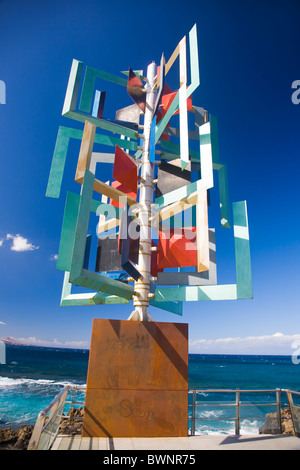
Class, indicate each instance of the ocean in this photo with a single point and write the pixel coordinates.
(32, 376)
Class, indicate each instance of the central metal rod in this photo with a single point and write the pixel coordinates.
(142, 286)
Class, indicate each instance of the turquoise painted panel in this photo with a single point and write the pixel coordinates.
(59, 159)
(94, 298)
(102, 124)
(61, 149)
(224, 197)
(69, 227)
(214, 138)
(164, 121)
(82, 225)
(243, 287)
(176, 195)
(87, 97)
(68, 232)
(240, 214)
(242, 250)
(88, 88)
(173, 307)
(196, 293)
(101, 283)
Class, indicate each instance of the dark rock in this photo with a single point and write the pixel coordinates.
(11, 439)
(270, 424)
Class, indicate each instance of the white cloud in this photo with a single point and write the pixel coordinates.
(20, 243)
(1, 241)
(53, 257)
(2, 323)
(33, 341)
(77, 344)
(276, 344)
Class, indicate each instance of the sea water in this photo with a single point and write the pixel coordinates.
(32, 376)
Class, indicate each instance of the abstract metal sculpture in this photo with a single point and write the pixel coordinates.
(154, 243)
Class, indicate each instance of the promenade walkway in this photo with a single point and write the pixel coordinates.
(220, 442)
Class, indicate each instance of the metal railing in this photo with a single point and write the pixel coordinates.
(203, 409)
(48, 421)
(295, 410)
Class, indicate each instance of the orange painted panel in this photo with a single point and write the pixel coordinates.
(135, 413)
(137, 384)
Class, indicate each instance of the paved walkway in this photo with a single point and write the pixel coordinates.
(220, 442)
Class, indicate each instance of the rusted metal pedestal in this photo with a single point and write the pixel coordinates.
(137, 384)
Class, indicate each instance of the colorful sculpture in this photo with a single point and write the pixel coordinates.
(154, 243)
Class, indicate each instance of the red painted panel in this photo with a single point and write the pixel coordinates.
(177, 249)
(125, 170)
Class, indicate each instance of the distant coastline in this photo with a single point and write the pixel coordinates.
(10, 341)
(13, 342)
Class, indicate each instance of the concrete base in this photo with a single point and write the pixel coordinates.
(137, 384)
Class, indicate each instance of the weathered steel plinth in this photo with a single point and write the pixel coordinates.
(137, 384)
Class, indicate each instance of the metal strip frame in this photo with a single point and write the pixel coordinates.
(243, 287)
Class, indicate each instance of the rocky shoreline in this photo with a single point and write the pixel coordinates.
(18, 439)
(269, 426)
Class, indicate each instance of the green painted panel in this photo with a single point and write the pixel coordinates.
(61, 149)
(164, 121)
(87, 97)
(68, 232)
(242, 251)
(177, 194)
(224, 197)
(225, 215)
(214, 138)
(241, 290)
(93, 298)
(59, 159)
(173, 307)
(69, 227)
(88, 89)
(82, 225)
(240, 213)
(113, 141)
(196, 293)
(102, 124)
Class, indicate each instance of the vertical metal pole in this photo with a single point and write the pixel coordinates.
(237, 419)
(142, 286)
(193, 425)
(291, 406)
(278, 401)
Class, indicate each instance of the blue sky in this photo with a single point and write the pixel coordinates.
(249, 57)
